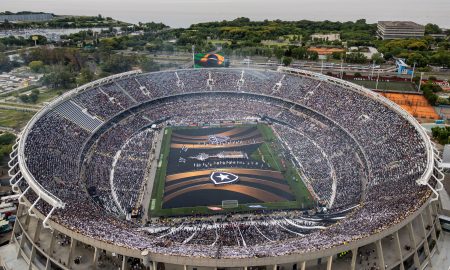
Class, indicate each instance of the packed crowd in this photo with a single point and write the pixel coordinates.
(349, 147)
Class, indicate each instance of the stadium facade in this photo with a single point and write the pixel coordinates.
(391, 223)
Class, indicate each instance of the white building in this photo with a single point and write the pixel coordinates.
(326, 37)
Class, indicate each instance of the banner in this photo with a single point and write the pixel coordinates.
(202, 60)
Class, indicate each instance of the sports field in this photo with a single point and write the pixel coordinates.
(202, 168)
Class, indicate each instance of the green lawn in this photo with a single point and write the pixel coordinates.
(289, 171)
(160, 177)
(396, 86)
(48, 95)
(17, 92)
(14, 119)
(264, 154)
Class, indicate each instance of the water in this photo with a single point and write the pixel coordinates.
(182, 13)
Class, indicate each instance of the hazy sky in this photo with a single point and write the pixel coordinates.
(182, 13)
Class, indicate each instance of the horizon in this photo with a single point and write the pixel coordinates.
(185, 14)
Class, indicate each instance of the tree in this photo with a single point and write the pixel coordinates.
(377, 58)
(417, 46)
(85, 76)
(337, 55)
(6, 143)
(432, 29)
(36, 66)
(24, 98)
(59, 77)
(441, 58)
(148, 65)
(418, 58)
(441, 134)
(429, 89)
(31, 98)
(356, 57)
(287, 61)
(7, 138)
(5, 64)
(314, 56)
(117, 63)
(433, 87)
(299, 53)
(279, 52)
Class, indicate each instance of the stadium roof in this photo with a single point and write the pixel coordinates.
(400, 24)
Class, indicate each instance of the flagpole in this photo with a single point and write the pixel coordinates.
(378, 78)
(420, 81)
(414, 69)
(193, 56)
(373, 69)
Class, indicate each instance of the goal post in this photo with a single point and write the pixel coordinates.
(230, 204)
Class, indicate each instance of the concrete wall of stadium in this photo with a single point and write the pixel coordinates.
(41, 249)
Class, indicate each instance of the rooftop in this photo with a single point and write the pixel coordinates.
(402, 24)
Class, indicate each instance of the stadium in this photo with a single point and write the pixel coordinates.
(225, 168)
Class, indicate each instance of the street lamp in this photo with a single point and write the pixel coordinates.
(420, 81)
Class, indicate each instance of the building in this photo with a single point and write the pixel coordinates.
(367, 51)
(326, 37)
(32, 17)
(400, 29)
(402, 67)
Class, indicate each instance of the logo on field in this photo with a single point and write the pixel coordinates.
(220, 178)
(218, 139)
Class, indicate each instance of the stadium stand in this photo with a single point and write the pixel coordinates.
(362, 156)
(73, 112)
